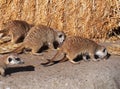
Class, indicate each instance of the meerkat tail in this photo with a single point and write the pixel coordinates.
(52, 61)
(46, 63)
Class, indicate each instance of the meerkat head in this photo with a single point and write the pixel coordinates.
(101, 52)
(11, 60)
(60, 37)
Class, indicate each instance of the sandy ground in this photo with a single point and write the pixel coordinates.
(104, 74)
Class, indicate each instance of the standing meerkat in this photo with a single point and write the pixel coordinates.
(6, 60)
(74, 46)
(38, 36)
(16, 29)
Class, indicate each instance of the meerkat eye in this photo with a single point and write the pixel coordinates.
(60, 35)
(104, 50)
(18, 59)
(9, 59)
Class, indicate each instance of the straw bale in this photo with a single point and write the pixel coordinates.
(86, 18)
(114, 49)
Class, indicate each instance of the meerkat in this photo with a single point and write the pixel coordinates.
(38, 36)
(75, 46)
(15, 29)
(6, 60)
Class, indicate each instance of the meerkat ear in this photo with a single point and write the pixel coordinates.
(9, 59)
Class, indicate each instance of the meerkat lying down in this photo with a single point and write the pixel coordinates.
(6, 60)
(15, 29)
(38, 36)
(75, 46)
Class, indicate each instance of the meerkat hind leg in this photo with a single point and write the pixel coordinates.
(71, 59)
(51, 47)
(35, 51)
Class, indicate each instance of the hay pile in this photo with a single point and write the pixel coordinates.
(114, 49)
(86, 18)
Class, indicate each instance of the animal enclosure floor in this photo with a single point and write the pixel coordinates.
(104, 74)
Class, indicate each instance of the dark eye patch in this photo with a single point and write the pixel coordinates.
(60, 35)
(96, 56)
(9, 59)
(104, 50)
(18, 59)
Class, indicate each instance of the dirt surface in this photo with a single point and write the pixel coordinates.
(104, 74)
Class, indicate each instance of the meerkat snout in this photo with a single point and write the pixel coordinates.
(101, 53)
(60, 37)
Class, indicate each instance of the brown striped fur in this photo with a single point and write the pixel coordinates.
(39, 36)
(16, 29)
(75, 46)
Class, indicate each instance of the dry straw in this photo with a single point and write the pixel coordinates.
(86, 18)
(114, 49)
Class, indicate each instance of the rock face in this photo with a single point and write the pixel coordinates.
(87, 18)
(104, 74)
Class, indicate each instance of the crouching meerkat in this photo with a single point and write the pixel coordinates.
(6, 60)
(16, 29)
(75, 46)
(38, 36)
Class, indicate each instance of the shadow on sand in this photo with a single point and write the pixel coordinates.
(11, 70)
